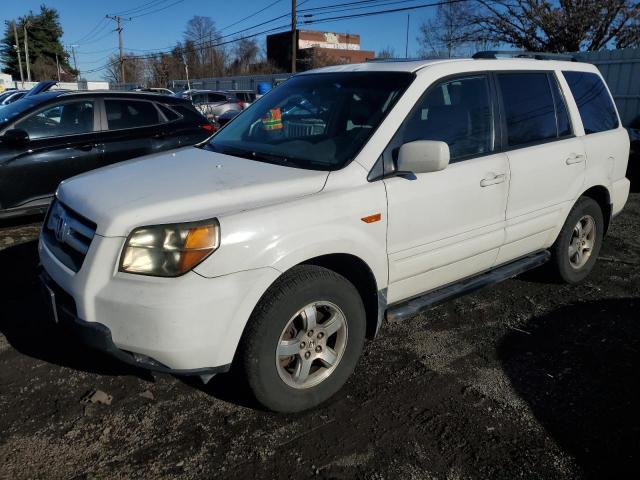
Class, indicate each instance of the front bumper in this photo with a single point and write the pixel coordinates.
(185, 325)
(98, 337)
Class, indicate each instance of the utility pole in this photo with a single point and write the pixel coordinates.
(58, 67)
(26, 25)
(17, 47)
(294, 36)
(75, 64)
(406, 45)
(118, 19)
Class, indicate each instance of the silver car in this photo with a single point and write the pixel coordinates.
(212, 103)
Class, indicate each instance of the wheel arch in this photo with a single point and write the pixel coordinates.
(357, 271)
(601, 195)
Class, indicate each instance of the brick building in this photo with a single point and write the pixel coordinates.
(315, 49)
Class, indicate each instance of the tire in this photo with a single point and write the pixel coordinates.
(570, 262)
(278, 349)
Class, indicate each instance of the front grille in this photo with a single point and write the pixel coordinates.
(68, 235)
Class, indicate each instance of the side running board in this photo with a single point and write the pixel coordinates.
(416, 305)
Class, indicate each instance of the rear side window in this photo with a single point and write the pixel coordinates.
(122, 114)
(529, 107)
(594, 102)
(457, 112)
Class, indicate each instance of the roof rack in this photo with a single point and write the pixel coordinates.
(493, 54)
(384, 60)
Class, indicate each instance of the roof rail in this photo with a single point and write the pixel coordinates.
(383, 60)
(492, 54)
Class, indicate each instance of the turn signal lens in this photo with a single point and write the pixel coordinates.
(169, 250)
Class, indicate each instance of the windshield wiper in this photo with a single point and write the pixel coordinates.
(258, 156)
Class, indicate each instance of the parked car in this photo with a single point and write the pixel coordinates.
(226, 117)
(51, 136)
(11, 96)
(286, 239)
(213, 103)
(633, 170)
(161, 91)
(243, 97)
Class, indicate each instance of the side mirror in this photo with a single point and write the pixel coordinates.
(15, 138)
(423, 156)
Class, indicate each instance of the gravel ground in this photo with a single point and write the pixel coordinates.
(522, 380)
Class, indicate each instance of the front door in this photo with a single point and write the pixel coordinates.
(447, 225)
(62, 143)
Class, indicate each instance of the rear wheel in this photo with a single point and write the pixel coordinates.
(303, 339)
(577, 247)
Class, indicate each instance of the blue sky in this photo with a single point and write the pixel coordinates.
(80, 18)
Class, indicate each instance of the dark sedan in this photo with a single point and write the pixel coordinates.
(52, 136)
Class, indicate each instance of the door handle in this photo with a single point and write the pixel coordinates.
(575, 158)
(86, 148)
(492, 179)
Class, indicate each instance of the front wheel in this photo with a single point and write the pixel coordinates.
(303, 339)
(576, 249)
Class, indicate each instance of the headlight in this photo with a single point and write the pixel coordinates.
(169, 250)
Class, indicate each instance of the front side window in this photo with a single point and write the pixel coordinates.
(457, 112)
(70, 118)
(314, 121)
(529, 108)
(594, 102)
(123, 114)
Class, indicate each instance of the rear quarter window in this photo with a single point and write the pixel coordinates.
(168, 112)
(595, 105)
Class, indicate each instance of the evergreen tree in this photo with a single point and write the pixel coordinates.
(44, 36)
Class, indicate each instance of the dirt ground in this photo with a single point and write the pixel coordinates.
(521, 380)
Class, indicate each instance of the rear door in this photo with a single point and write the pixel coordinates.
(546, 160)
(604, 140)
(129, 126)
(63, 142)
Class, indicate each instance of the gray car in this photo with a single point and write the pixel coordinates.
(213, 103)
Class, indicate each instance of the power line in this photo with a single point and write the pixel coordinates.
(157, 10)
(381, 12)
(249, 16)
(286, 27)
(140, 8)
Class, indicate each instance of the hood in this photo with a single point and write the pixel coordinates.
(179, 186)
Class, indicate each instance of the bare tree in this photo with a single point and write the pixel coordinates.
(564, 26)
(134, 69)
(201, 32)
(387, 52)
(451, 32)
(246, 54)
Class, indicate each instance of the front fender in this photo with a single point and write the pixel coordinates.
(281, 236)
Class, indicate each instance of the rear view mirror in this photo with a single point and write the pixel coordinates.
(15, 138)
(423, 156)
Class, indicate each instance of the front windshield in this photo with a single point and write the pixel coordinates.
(315, 121)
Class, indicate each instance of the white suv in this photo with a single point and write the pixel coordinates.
(346, 194)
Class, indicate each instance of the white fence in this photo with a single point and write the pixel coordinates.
(81, 85)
